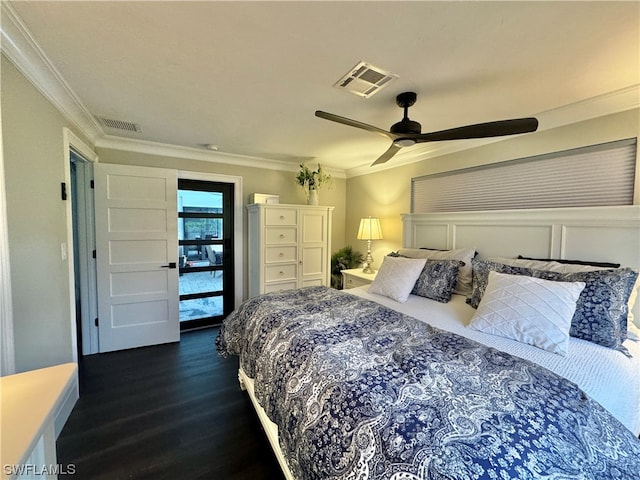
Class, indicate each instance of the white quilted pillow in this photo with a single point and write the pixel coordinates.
(530, 310)
(551, 266)
(396, 277)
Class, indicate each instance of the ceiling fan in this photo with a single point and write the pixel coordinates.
(407, 132)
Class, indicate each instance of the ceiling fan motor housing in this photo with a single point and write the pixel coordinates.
(406, 126)
(405, 100)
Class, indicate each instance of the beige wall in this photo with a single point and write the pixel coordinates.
(254, 180)
(386, 194)
(34, 161)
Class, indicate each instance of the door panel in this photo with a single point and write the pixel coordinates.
(139, 313)
(136, 230)
(313, 260)
(205, 244)
(135, 283)
(137, 220)
(313, 252)
(130, 252)
(313, 227)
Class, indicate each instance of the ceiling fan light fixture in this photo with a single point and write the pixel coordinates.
(404, 142)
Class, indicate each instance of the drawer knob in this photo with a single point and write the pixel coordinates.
(281, 273)
(281, 235)
(281, 255)
(281, 217)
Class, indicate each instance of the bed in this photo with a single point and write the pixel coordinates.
(366, 383)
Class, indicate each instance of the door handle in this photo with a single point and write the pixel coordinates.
(170, 265)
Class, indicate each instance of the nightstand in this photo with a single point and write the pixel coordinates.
(355, 277)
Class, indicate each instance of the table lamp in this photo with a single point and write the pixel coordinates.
(369, 230)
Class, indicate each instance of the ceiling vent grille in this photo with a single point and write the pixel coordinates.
(119, 124)
(365, 80)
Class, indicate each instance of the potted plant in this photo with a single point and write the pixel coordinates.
(343, 259)
(312, 181)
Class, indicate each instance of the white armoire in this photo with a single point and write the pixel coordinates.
(289, 247)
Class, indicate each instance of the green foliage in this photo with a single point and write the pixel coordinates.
(313, 179)
(343, 259)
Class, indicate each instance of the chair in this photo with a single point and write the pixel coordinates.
(215, 258)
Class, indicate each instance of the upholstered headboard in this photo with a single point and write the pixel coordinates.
(603, 234)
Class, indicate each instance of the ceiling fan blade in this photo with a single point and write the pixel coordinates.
(481, 130)
(352, 123)
(393, 149)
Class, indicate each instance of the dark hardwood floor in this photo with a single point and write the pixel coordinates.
(165, 412)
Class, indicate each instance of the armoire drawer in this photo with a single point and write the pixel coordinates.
(280, 235)
(280, 216)
(280, 254)
(277, 273)
(276, 287)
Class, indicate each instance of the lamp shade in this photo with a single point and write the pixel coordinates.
(369, 229)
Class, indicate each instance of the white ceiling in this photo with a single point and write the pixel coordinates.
(248, 76)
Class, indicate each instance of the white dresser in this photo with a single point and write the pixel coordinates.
(289, 247)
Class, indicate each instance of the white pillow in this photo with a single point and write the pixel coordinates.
(530, 310)
(465, 279)
(396, 277)
(551, 266)
(633, 332)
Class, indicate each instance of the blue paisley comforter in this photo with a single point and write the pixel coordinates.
(359, 391)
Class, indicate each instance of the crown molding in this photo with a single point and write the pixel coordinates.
(606, 104)
(190, 153)
(17, 44)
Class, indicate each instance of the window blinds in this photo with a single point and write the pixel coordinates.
(598, 175)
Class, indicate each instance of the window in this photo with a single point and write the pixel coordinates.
(599, 175)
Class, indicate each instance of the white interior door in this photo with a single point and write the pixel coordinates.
(136, 250)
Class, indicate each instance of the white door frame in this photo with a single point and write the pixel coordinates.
(72, 141)
(238, 223)
(7, 358)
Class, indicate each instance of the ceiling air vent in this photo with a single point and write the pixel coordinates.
(119, 124)
(365, 80)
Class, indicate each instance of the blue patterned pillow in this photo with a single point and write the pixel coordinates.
(437, 280)
(602, 308)
(481, 269)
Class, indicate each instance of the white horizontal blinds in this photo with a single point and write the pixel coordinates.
(598, 175)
